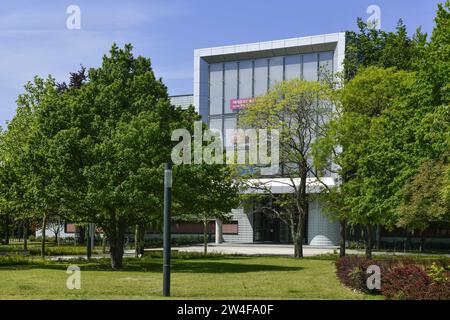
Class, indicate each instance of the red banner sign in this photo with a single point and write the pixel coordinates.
(239, 104)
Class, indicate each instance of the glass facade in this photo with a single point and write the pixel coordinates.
(252, 78)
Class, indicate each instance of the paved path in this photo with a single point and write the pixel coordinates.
(252, 249)
(249, 249)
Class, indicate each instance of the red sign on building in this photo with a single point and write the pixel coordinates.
(239, 104)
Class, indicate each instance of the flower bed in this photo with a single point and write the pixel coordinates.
(403, 279)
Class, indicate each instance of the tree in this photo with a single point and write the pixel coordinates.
(26, 174)
(55, 225)
(213, 193)
(107, 140)
(372, 47)
(367, 162)
(423, 202)
(299, 110)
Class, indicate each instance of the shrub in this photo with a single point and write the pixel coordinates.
(352, 271)
(13, 260)
(408, 282)
(438, 291)
(437, 273)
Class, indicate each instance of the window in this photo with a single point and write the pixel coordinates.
(276, 71)
(246, 79)
(215, 124)
(293, 67)
(215, 88)
(230, 227)
(229, 124)
(310, 67)
(325, 64)
(231, 84)
(260, 79)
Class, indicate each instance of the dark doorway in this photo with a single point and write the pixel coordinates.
(270, 229)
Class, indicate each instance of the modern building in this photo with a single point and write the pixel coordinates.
(183, 101)
(225, 78)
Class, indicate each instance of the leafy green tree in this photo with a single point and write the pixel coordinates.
(26, 171)
(299, 110)
(372, 47)
(107, 138)
(213, 193)
(423, 202)
(367, 163)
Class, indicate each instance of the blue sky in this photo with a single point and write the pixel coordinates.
(34, 39)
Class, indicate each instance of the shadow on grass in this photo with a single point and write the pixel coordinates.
(225, 265)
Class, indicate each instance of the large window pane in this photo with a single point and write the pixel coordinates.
(245, 79)
(260, 77)
(276, 71)
(231, 84)
(229, 124)
(215, 124)
(325, 64)
(293, 67)
(215, 88)
(310, 67)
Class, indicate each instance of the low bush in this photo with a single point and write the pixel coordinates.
(409, 282)
(13, 260)
(401, 278)
(438, 291)
(352, 271)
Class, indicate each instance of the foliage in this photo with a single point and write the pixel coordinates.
(352, 271)
(402, 123)
(423, 202)
(372, 47)
(404, 278)
(298, 110)
(438, 273)
(409, 282)
(93, 151)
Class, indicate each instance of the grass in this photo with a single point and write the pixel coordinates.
(193, 277)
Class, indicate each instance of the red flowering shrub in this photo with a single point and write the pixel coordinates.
(408, 282)
(402, 279)
(352, 271)
(438, 291)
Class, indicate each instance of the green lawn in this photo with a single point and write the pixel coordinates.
(216, 277)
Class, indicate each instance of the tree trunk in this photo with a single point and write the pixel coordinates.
(369, 241)
(89, 241)
(116, 242)
(378, 237)
(104, 243)
(297, 238)
(422, 242)
(342, 239)
(136, 241)
(205, 237)
(7, 231)
(25, 236)
(408, 241)
(81, 235)
(44, 225)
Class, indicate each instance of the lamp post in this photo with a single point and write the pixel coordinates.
(167, 228)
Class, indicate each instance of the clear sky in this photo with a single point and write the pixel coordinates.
(34, 39)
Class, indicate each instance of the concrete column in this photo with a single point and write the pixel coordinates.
(219, 238)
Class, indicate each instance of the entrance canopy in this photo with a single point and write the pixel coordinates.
(287, 185)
